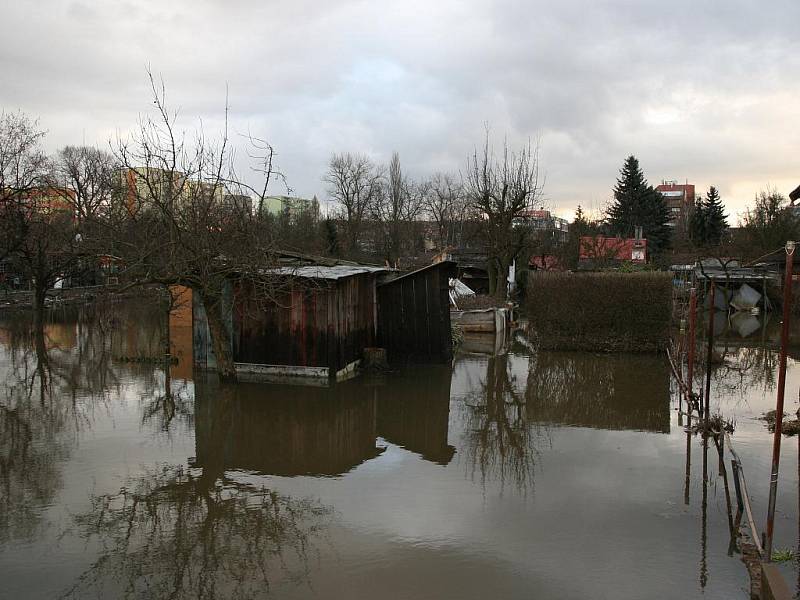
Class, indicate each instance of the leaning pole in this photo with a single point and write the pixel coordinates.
(776, 442)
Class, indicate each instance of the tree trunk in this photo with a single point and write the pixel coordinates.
(491, 269)
(220, 337)
(501, 287)
(39, 295)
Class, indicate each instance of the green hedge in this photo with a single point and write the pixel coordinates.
(607, 312)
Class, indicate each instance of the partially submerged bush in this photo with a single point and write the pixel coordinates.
(717, 424)
(609, 312)
(789, 426)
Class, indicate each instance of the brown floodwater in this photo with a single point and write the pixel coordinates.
(517, 475)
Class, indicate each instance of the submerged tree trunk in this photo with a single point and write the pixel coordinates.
(220, 336)
(39, 295)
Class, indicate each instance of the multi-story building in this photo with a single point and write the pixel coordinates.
(43, 200)
(544, 224)
(292, 205)
(142, 186)
(679, 198)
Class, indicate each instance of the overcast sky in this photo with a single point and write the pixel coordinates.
(701, 91)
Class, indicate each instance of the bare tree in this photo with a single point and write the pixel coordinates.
(353, 182)
(177, 221)
(443, 201)
(395, 209)
(37, 233)
(88, 174)
(23, 165)
(500, 189)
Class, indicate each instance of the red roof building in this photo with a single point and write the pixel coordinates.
(599, 251)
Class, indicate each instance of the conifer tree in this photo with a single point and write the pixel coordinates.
(636, 203)
(698, 223)
(716, 221)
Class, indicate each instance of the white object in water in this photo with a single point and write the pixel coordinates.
(746, 298)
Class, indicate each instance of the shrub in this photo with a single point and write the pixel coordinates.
(609, 312)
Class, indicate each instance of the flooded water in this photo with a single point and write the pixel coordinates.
(519, 475)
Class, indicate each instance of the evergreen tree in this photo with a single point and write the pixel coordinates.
(636, 203)
(331, 237)
(698, 223)
(569, 252)
(716, 221)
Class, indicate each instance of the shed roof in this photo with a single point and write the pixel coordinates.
(332, 272)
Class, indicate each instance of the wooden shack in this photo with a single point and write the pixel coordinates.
(326, 313)
(317, 324)
(414, 315)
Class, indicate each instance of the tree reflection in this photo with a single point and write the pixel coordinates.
(166, 401)
(198, 533)
(501, 442)
(742, 369)
(35, 434)
(56, 377)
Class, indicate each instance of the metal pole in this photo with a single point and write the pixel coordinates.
(692, 337)
(710, 352)
(776, 441)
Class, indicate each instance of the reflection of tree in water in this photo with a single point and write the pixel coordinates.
(32, 442)
(165, 401)
(500, 440)
(197, 533)
(743, 369)
(38, 426)
(55, 379)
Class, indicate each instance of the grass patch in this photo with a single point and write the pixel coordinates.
(784, 555)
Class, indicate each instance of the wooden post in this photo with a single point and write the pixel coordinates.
(692, 340)
(776, 440)
(710, 353)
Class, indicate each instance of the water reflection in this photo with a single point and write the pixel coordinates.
(56, 379)
(603, 391)
(501, 441)
(186, 533)
(283, 429)
(49, 396)
(740, 370)
(219, 483)
(413, 412)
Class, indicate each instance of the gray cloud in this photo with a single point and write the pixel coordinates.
(698, 90)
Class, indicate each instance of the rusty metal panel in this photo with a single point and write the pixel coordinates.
(325, 324)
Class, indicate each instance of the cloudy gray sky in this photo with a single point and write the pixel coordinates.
(701, 91)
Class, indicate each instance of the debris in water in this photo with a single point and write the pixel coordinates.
(717, 424)
(789, 427)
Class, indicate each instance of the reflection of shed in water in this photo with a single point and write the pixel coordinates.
(413, 412)
(607, 392)
(284, 430)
